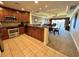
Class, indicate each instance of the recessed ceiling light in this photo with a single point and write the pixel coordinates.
(17, 12)
(0, 8)
(1, 2)
(22, 8)
(36, 2)
(46, 6)
(40, 8)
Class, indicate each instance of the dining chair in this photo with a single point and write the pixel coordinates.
(56, 30)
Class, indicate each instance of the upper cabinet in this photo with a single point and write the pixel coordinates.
(1, 14)
(25, 16)
(20, 15)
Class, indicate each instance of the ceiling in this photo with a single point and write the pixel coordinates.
(43, 8)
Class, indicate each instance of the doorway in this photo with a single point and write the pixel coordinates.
(60, 24)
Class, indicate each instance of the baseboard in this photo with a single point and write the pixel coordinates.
(75, 42)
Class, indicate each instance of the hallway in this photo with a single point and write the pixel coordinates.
(63, 43)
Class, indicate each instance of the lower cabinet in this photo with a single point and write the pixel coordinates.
(5, 34)
(35, 32)
(21, 30)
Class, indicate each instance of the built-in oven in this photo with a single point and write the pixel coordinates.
(13, 32)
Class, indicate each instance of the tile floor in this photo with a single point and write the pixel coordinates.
(63, 43)
(26, 46)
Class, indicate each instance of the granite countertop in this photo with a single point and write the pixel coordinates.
(7, 25)
(36, 25)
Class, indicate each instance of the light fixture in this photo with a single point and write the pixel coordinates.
(0, 8)
(46, 6)
(17, 12)
(35, 20)
(40, 8)
(1, 2)
(22, 8)
(36, 2)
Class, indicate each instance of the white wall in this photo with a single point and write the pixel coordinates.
(75, 32)
(40, 20)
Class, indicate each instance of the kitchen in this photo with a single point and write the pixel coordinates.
(12, 25)
(18, 25)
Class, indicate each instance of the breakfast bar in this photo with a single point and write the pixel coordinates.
(38, 32)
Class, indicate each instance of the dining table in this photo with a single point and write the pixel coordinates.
(54, 29)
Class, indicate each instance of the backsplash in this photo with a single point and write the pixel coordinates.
(9, 24)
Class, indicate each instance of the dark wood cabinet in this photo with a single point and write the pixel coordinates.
(5, 33)
(36, 32)
(20, 16)
(21, 30)
(1, 15)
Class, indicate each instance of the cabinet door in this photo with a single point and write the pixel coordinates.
(5, 34)
(21, 30)
(25, 17)
(29, 30)
(1, 15)
(42, 35)
(5, 12)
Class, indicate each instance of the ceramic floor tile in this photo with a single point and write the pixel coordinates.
(25, 45)
(63, 43)
(7, 51)
(15, 49)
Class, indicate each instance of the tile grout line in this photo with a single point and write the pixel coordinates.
(25, 46)
(34, 45)
(19, 48)
(9, 47)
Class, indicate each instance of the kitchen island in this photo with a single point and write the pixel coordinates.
(37, 31)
